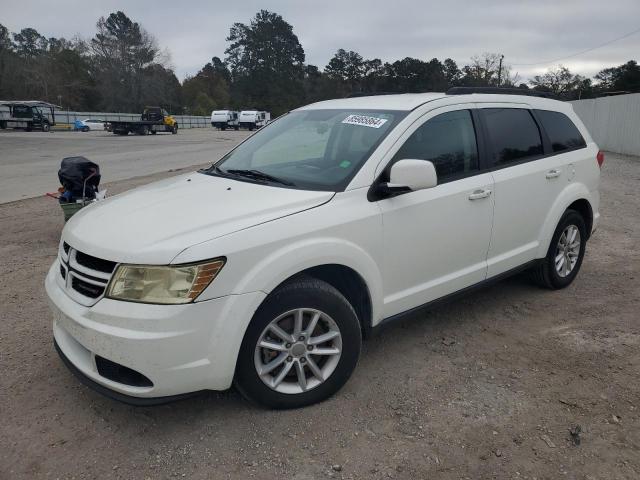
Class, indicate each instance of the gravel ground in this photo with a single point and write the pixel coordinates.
(490, 386)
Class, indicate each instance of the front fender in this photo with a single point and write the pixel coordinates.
(573, 192)
(294, 258)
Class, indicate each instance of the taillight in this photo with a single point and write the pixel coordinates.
(600, 158)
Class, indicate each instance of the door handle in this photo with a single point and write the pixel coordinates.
(478, 194)
(554, 173)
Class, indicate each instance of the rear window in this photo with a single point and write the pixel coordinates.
(514, 135)
(562, 132)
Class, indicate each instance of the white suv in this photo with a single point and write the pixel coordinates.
(267, 269)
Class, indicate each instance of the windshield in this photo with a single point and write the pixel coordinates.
(309, 149)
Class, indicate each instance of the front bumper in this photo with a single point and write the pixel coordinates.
(179, 348)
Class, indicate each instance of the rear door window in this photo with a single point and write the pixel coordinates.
(514, 134)
(448, 141)
(562, 132)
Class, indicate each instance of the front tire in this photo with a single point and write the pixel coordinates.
(566, 251)
(301, 346)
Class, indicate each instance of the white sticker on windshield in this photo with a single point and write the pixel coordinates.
(365, 121)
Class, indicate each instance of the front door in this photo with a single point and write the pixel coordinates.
(436, 240)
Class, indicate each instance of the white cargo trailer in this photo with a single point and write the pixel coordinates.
(252, 119)
(223, 119)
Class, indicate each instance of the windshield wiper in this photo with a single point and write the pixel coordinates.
(214, 170)
(258, 175)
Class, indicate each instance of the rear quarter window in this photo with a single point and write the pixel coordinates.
(562, 132)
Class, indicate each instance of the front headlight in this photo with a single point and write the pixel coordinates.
(163, 284)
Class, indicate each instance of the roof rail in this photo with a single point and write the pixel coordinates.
(502, 91)
(370, 94)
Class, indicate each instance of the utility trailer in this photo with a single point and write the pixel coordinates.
(29, 115)
(152, 121)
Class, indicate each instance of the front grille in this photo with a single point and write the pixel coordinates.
(85, 288)
(121, 374)
(85, 277)
(94, 263)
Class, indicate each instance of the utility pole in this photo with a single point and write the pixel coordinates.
(500, 70)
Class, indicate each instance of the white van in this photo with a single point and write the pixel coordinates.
(223, 119)
(253, 119)
(267, 269)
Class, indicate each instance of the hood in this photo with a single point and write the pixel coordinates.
(154, 223)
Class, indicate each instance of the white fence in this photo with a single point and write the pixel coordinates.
(614, 122)
(64, 116)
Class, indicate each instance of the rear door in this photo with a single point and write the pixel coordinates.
(527, 182)
(436, 240)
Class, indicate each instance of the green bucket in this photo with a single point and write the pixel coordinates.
(70, 209)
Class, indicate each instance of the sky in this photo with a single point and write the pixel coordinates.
(543, 32)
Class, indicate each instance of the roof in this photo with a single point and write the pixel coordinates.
(410, 101)
(31, 103)
(403, 101)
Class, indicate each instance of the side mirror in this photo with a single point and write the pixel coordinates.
(413, 174)
(406, 176)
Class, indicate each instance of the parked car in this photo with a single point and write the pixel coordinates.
(267, 269)
(223, 119)
(89, 124)
(254, 119)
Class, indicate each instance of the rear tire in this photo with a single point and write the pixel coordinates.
(333, 364)
(566, 251)
(46, 127)
(174, 130)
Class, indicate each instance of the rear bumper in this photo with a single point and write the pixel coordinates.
(180, 349)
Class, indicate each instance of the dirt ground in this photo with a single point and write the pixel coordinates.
(486, 387)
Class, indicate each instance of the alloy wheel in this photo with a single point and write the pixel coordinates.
(298, 350)
(567, 251)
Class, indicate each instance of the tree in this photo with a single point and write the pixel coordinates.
(6, 59)
(451, 72)
(29, 43)
(625, 77)
(5, 40)
(213, 81)
(559, 81)
(348, 67)
(267, 63)
(484, 70)
(121, 51)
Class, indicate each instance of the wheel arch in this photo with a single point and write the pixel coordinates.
(576, 197)
(583, 207)
(349, 283)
